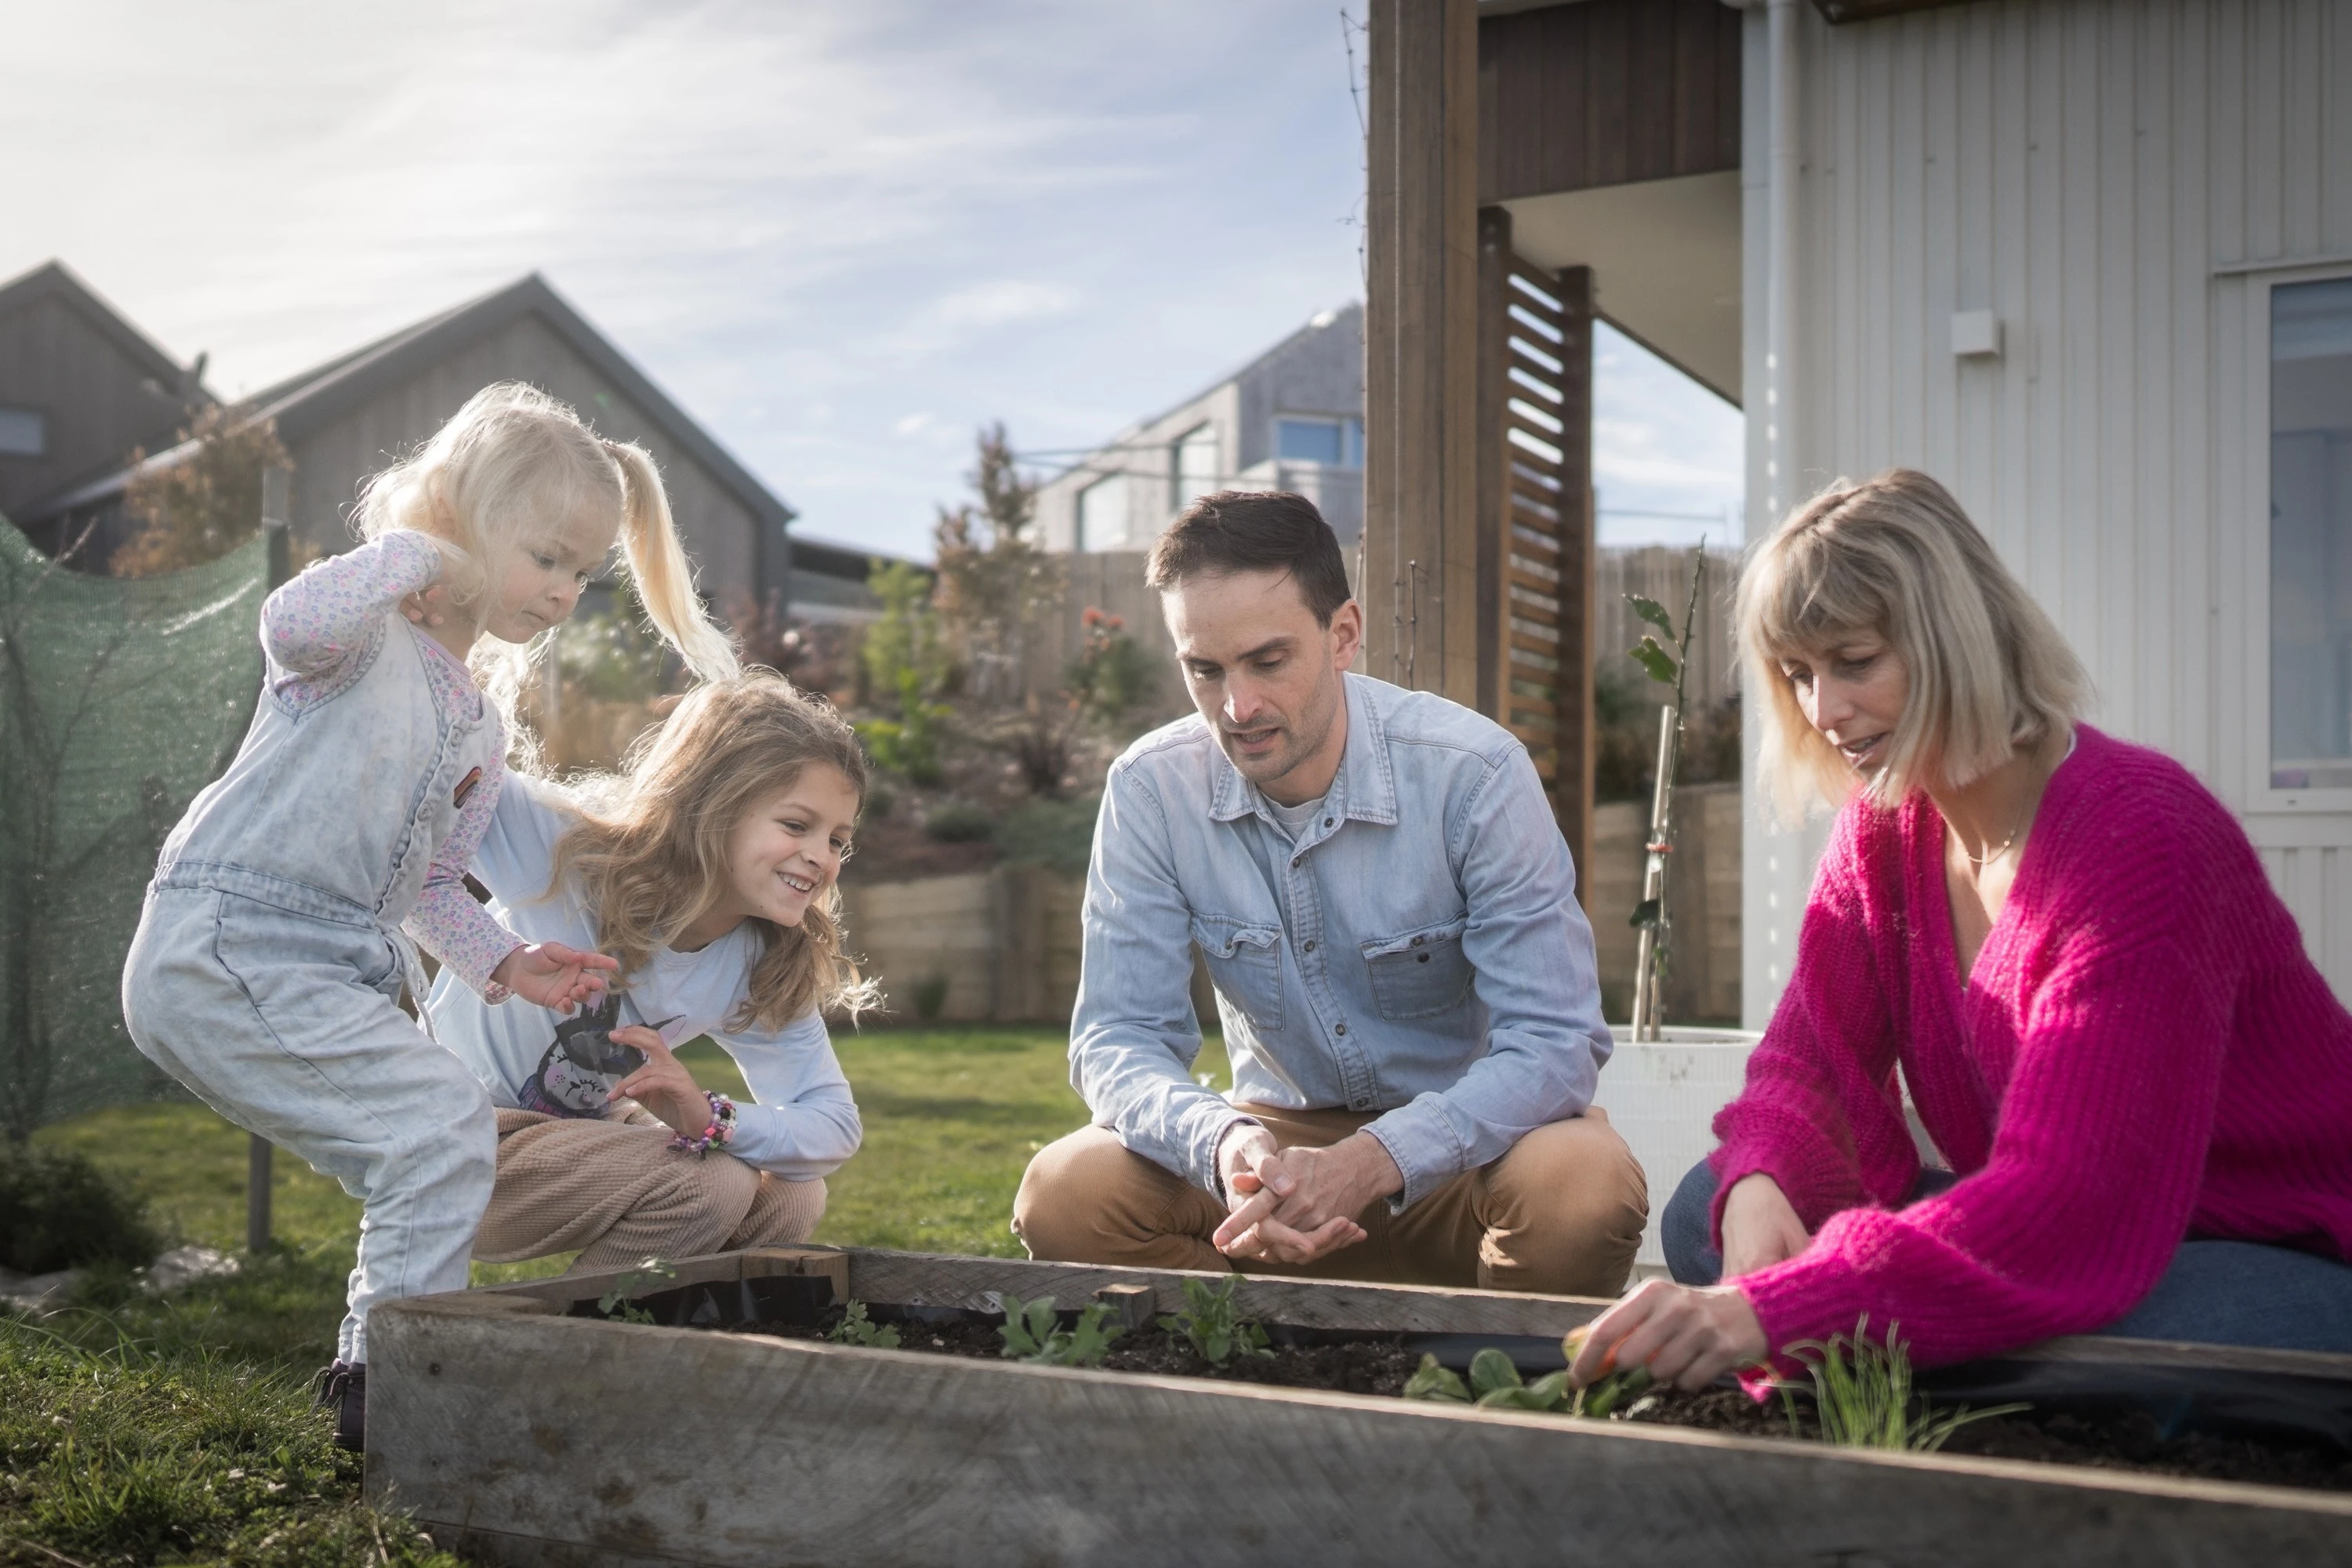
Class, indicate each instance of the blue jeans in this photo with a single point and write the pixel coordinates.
(2215, 1293)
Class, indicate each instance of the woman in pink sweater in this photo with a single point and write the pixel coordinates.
(2104, 1013)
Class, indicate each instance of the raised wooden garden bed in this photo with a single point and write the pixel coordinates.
(521, 1426)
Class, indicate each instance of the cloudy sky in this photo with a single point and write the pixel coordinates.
(840, 232)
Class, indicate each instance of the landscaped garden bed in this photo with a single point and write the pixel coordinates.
(731, 1423)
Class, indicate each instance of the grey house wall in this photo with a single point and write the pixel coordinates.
(1317, 370)
(335, 457)
(102, 395)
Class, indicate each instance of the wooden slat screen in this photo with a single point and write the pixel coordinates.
(1535, 516)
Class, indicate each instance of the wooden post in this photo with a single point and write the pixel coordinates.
(277, 485)
(1578, 568)
(1421, 321)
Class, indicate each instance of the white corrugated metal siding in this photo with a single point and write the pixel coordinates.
(2116, 180)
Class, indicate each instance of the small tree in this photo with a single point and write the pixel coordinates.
(996, 587)
(1650, 917)
(907, 666)
(207, 503)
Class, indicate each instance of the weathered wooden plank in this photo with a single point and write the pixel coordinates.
(528, 1440)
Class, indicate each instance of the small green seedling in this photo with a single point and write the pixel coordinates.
(1494, 1382)
(616, 1302)
(856, 1329)
(1208, 1322)
(1613, 1387)
(1863, 1396)
(1033, 1333)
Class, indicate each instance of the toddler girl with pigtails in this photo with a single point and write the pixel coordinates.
(288, 905)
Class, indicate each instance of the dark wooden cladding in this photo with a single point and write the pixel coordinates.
(1607, 92)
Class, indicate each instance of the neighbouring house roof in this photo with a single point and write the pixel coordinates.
(326, 392)
(55, 280)
(1322, 322)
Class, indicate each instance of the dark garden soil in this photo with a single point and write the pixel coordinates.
(1376, 1365)
(2113, 1440)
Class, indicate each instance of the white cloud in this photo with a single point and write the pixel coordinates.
(997, 304)
(911, 425)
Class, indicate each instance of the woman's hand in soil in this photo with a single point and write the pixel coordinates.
(1760, 1226)
(1686, 1335)
(1294, 1205)
(553, 975)
(662, 1086)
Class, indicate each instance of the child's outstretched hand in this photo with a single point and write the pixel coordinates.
(662, 1086)
(553, 975)
(427, 606)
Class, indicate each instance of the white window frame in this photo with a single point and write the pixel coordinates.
(1338, 422)
(2254, 501)
(1177, 499)
(47, 427)
(1080, 544)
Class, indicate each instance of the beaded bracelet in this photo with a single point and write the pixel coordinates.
(718, 1135)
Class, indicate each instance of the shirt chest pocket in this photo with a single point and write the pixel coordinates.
(1420, 971)
(1245, 962)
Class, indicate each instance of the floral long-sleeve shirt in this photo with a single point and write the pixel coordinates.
(321, 633)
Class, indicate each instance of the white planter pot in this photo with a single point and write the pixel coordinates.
(1662, 1096)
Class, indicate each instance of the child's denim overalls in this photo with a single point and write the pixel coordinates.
(266, 971)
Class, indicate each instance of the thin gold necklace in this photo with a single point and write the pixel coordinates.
(1990, 856)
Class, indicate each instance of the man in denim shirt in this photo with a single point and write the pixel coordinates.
(1406, 982)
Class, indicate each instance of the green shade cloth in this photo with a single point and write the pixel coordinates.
(120, 698)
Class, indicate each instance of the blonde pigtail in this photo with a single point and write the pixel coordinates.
(664, 578)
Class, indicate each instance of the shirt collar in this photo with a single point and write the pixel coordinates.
(1364, 788)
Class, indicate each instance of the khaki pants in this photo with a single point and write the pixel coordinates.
(1561, 1213)
(618, 1192)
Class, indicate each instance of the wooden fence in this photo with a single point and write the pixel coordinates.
(1002, 946)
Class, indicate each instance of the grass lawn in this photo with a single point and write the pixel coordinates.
(138, 1431)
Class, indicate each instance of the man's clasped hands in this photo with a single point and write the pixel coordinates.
(1297, 1204)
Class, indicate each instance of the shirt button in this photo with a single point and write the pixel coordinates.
(1296, 861)
(1329, 820)
(1311, 947)
(1340, 1031)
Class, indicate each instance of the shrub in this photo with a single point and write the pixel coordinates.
(1058, 834)
(56, 1211)
(959, 823)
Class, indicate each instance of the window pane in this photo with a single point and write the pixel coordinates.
(2310, 535)
(1102, 514)
(1196, 465)
(24, 433)
(1308, 441)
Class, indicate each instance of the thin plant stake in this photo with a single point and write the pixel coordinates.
(1650, 915)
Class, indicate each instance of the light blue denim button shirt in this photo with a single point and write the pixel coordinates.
(1418, 952)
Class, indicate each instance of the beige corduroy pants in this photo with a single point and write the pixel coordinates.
(620, 1194)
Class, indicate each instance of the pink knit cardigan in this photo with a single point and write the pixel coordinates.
(2144, 1053)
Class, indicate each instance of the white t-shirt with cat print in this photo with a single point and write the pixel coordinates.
(804, 1123)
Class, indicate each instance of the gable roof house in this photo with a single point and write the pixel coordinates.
(1291, 419)
(80, 388)
(2088, 264)
(94, 385)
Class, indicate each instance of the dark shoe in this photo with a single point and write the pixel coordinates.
(344, 1386)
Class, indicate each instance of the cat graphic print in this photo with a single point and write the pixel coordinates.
(580, 1068)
